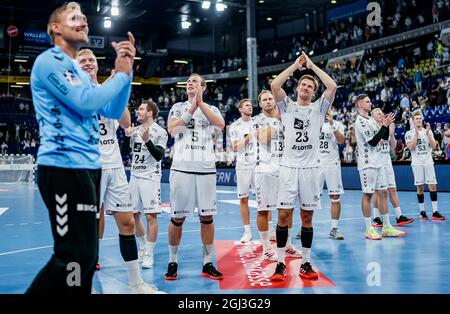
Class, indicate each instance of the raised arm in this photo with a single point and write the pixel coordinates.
(329, 83)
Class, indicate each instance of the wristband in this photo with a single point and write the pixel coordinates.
(186, 117)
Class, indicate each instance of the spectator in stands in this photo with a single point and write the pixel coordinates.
(404, 102)
(446, 139)
(348, 152)
(398, 151)
(4, 148)
(418, 77)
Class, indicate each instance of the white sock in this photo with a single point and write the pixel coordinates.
(270, 226)
(141, 241)
(398, 211)
(281, 255)
(265, 235)
(134, 273)
(386, 222)
(376, 212)
(173, 253)
(207, 253)
(306, 255)
(435, 206)
(422, 207)
(334, 223)
(367, 222)
(288, 241)
(247, 229)
(150, 247)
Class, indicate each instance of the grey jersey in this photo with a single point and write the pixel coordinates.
(144, 165)
(301, 127)
(246, 157)
(109, 147)
(194, 145)
(268, 155)
(329, 147)
(422, 154)
(367, 155)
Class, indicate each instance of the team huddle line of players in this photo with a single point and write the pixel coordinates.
(281, 153)
(286, 152)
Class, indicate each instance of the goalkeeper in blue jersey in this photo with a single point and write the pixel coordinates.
(67, 103)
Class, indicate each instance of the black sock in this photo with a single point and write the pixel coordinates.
(433, 196)
(306, 237)
(420, 198)
(282, 235)
(128, 247)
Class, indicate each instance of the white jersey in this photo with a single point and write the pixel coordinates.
(422, 154)
(367, 155)
(329, 147)
(246, 157)
(268, 155)
(385, 150)
(144, 165)
(301, 127)
(110, 156)
(194, 145)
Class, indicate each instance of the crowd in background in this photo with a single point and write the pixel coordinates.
(416, 77)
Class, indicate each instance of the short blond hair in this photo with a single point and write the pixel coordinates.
(264, 91)
(416, 113)
(311, 78)
(203, 82)
(86, 52)
(242, 101)
(54, 17)
(359, 98)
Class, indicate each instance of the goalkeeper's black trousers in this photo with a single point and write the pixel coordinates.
(71, 197)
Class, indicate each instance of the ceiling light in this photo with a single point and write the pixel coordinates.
(220, 7)
(107, 22)
(333, 1)
(261, 1)
(180, 61)
(115, 11)
(269, 18)
(206, 5)
(185, 24)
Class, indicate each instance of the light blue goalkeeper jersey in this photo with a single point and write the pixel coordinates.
(67, 105)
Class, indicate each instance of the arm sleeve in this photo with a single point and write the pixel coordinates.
(386, 135)
(156, 151)
(125, 148)
(282, 105)
(115, 108)
(377, 138)
(324, 104)
(82, 98)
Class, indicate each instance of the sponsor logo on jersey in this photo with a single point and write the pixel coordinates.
(137, 147)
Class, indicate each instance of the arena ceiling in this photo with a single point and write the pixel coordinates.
(163, 17)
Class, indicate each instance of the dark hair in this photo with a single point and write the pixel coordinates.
(151, 106)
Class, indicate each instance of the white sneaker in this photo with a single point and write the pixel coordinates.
(269, 255)
(246, 237)
(141, 253)
(147, 261)
(145, 288)
(273, 235)
(293, 252)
